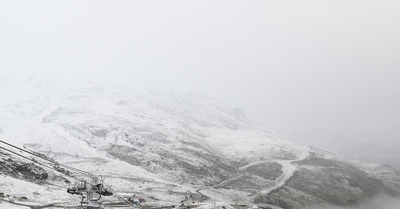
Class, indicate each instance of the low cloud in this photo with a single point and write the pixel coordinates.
(378, 202)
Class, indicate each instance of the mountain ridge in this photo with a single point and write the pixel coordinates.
(180, 141)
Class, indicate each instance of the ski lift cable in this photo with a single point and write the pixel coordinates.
(68, 167)
(35, 154)
(46, 166)
(27, 158)
(114, 193)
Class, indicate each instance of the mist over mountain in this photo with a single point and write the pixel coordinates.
(360, 145)
(379, 201)
(161, 145)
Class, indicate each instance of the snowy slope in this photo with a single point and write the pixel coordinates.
(163, 144)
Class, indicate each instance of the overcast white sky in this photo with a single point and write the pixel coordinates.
(325, 72)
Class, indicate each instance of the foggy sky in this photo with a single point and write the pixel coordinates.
(323, 72)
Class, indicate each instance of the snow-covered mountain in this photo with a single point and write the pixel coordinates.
(162, 144)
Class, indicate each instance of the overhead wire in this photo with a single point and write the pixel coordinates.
(49, 167)
(33, 162)
(126, 201)
(56, 163)
(43, 158)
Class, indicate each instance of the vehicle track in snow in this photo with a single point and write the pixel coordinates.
(288, 169)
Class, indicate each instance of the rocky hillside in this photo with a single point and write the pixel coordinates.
(161, 145)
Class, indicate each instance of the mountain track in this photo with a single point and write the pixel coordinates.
(288, 169)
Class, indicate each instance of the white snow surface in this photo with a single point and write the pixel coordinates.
(80, 124)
